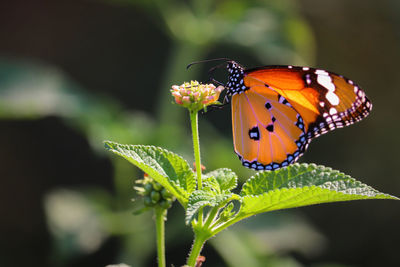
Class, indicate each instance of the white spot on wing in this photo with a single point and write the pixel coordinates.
(326, 81)
(308, 79)
(332, 111)
(321, 72)
(332, 98)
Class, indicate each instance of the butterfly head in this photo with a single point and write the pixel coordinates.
(235, 83)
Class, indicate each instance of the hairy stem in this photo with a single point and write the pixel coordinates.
(196, 148)
(160, 230)
(196, 145)
(198, 243)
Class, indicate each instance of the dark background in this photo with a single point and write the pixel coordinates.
(116, 61)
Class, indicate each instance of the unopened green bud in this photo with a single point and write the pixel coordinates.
(165, 203)
(147, 201)
(155, 196)
(165, 194)
(157, 186)
(147, 189)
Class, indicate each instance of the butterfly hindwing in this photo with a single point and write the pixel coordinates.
(267, 132)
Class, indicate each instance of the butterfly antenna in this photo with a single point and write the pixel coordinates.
(207, 60)
(215, 81)
(214, 107)
(211, 78)
(211, 71)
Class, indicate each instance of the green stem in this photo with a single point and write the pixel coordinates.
(211, 216)
(198, 243)
(221, 227)
(160, 231)
(196, 148)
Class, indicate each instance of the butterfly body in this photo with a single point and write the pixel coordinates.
(278, 110)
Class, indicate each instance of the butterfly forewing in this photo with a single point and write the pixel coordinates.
(325, 100)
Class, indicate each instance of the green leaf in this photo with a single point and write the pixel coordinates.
(226, 178)
(167, 168)
(216, 192)
(211, 183)
(227, 212)
(205, 197)
(300, 185)
(198, 199)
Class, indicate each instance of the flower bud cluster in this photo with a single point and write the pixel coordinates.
(154, 194)
(196, 96)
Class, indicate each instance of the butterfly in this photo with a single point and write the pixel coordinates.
(278, 110)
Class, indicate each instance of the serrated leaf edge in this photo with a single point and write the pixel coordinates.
(182, 196)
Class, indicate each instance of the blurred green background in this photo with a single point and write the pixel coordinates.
(75, 73)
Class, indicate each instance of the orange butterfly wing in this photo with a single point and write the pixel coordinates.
(324, 99)
(264, 129)
(295, 103)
